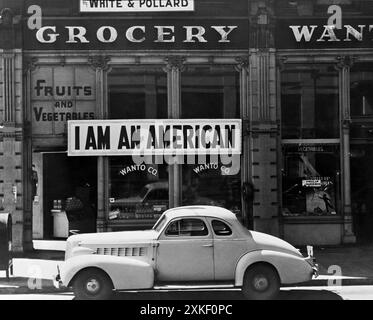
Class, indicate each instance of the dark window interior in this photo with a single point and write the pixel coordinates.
(221, 228)
(187, 227)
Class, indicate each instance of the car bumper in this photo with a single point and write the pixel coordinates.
(57, 281)
(315, 267)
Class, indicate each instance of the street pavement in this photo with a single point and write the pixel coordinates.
(293, 293)
(345, 273)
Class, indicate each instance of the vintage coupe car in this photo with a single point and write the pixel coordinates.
(196, 245)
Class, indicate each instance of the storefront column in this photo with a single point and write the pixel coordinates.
(344, 65)
(101, 66)
(174, 67)
(29, 65)
(11, 147)
(246, 163)
(264, 127)
(264, 141)
(11, 132)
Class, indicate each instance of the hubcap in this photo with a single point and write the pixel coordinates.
(260, 283)
(93, 286)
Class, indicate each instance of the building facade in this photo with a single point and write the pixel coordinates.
(295, 76)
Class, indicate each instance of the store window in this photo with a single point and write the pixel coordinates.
(311, 180)
(137, 192)
(211, 92)
(362, 90)
(310, 102)
(311, 172)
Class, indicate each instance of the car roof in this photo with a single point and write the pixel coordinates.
(157, 185)
(201, 211)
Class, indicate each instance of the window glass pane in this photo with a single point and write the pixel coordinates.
(173, 229)
(309, 102)
(187, 227)
(137, 191)
(221, 228)
(211, 92)
(311, 180)
(193, 228)
(362, 90)
(138, 93)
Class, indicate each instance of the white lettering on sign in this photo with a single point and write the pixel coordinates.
(77, 34)
(154, 137)
(328, 33)
(164, 34)
(136, 5)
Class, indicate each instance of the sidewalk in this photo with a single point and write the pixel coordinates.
(355, 262)
(31, 275)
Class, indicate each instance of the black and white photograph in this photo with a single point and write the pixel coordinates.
(182, 155)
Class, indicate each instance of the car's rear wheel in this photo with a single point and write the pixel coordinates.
(92, 284)
(261, 282)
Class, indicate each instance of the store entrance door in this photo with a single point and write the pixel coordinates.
(362, 190)
(66, 177)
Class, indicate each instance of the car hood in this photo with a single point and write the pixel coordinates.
(135, 199)
(115, 238)
(267, 242)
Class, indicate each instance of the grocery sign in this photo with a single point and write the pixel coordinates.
(136, 5)
(153, 137)
(120, 33)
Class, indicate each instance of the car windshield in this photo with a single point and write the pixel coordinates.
(160, 223)
(143, 192)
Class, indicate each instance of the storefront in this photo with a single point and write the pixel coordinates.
(296, 92)
(135, 74)
(324, 79)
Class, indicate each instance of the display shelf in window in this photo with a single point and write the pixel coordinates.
(311, 180)
(123, 211)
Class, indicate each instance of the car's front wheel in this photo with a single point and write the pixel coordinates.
(261, 282)
(92, 284)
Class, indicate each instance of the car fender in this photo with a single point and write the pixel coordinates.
(124, 272)
(290, 268)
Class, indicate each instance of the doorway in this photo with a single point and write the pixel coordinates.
(362, 190)
(64, 177)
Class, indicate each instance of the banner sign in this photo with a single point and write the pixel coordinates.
(154, 137)
(136, 5)
(317, 34)
(85, 33)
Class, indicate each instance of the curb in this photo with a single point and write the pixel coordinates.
(26, 290)
(343, 282)
(20, 286)
(17, 287)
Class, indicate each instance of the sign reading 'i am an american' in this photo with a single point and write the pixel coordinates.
(154, 137)
(136, 5)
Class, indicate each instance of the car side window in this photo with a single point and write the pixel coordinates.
(221, 229)
(187, 228)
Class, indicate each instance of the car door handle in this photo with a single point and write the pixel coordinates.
(208, 245)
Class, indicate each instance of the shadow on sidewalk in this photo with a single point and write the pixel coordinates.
(303, 294)
(353, 260)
